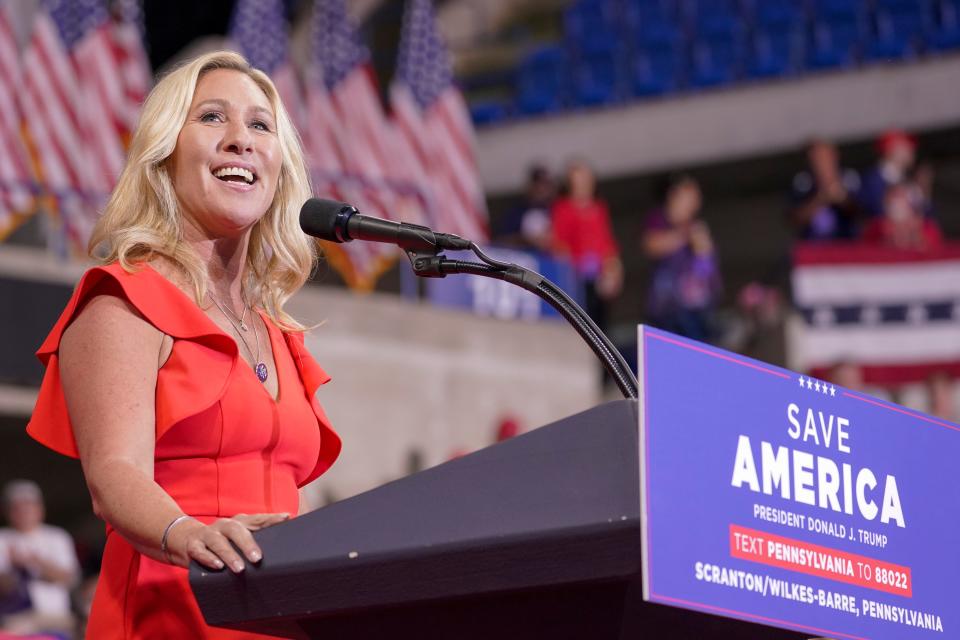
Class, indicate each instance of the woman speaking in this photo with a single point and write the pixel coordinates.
(174, 373)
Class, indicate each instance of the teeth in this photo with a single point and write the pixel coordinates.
(235, 171)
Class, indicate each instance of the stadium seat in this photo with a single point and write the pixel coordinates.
(715, 19)
(775, 52)
(835, 42)
(838, 10)
(488, 112)
(640, 11)
(590, 23)
(656, 39)
(715, 62)
(652, 24)
(775, 45)
(596, 80)
(945, 29)
(540, 83)
(656, 71)
(775, 15)
(902, 5)
(719, 42)
(656, 34)
(899, 29)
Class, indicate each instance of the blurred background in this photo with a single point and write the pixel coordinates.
(775, 177)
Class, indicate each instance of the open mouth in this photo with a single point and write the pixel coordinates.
(235, 174)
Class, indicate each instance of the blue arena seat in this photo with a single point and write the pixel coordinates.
(656, 34)
(775, 45)
(719, 42)
(589, 22)
(595, 77)
(716, 62)
(540, 81)
(715, 18)
(776, 15)
(901, 5)
(899, 29)
(775, 52)
(945, 29)
(484, 112)
(834, 10)
(656, 43)
(651, 24)
(638, 11)
(657, 71)
(835, 42)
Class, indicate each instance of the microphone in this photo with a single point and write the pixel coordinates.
(340, 222)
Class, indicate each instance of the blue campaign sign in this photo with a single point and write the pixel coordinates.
(789, 501)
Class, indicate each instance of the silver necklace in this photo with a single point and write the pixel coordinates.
(241, 320)
(260, 368)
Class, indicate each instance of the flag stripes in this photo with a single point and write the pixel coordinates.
(16, 192)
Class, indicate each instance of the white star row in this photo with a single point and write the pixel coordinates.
(820, 387)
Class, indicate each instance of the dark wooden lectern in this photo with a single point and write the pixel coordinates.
(535, 537)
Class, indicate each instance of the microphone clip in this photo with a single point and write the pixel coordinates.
(427, 263)
(427, 260)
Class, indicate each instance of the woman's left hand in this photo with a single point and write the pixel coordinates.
(215, 545)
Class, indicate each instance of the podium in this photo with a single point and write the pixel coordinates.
(534, 537)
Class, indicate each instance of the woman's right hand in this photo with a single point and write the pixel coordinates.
(700, 241)
(210, 544)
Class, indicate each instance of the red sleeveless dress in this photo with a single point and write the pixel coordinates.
(223, 445)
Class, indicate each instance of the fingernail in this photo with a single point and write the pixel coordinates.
(237, 566)
(255, 556)
(218, 564)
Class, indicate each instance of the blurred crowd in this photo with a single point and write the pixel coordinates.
(889, 204)
(571, 222)
(43, 593)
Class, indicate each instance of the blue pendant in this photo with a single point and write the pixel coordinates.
(261, 370)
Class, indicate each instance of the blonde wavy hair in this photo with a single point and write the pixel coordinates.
(142, 219)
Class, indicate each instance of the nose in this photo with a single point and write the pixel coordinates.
(237, 138)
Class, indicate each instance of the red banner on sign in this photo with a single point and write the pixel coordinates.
(804, 557)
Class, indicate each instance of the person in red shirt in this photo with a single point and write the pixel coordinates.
(902, 225)
(583, 235)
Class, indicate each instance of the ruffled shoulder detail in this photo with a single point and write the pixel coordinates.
(201, 353)
(312, 376)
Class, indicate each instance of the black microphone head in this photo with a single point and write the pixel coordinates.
(326, 219)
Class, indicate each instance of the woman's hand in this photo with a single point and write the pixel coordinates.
(210, 544)
(700, 241)
(610, 283)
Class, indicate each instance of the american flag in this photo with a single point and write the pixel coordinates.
(259, 30)
(129, 34)
(16, 179)
(433, 116)
(76, 105)
(353, 140)
(891, 312)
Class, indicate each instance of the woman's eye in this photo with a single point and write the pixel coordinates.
(211, 116)
(260, 124)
